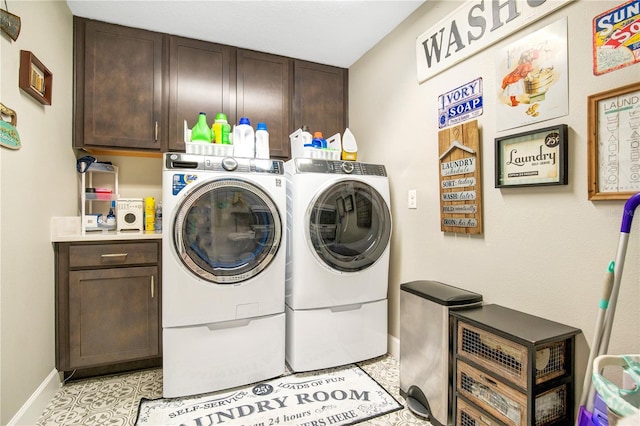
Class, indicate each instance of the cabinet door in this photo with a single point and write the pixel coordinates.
(263, 95)
(320, 98)
(201, 79)
(113, 315)
(118, 93)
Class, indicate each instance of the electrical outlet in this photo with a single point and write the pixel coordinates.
(413, 199)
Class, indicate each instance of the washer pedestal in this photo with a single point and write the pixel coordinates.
(329, 337)
(221, 355)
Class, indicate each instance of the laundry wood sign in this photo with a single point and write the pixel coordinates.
(460, 179)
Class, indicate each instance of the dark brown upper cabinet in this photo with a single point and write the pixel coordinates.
(134, 89)
(264, 88)
(320, 98)
(119, 75)
(201, 79)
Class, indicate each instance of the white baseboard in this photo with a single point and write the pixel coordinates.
(38, 401)
(394, 346)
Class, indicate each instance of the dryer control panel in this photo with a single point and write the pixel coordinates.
(314, 165)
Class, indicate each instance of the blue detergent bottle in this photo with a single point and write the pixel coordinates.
(318, 141)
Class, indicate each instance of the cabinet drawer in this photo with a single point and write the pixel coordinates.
(498, 399)
(509, 359)
(467, 415)
(92, 255)
(505, 403)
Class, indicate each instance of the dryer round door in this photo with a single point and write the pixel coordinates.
(349, 226)
(227, 231)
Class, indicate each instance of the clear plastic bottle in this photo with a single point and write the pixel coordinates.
(262, 141)
(201, 131)
(111, 217)
(157, 226)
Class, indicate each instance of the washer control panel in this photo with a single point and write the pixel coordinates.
(314, 165)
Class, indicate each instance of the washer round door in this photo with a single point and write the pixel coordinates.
(227, 231)
(349, 226)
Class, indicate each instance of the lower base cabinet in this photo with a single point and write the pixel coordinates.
(108, 305)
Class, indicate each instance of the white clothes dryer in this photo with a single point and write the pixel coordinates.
(339, 230)
(223, 267)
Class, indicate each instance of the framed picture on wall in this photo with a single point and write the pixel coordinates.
(614, 143)
(534, 158)
(35, 78)
(532, 75)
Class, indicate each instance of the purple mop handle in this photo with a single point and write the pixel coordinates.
(627, 216)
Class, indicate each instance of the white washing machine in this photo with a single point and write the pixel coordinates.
(223, 267)
(339, 230)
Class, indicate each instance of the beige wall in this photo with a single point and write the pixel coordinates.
(38, 181)
(544, 250)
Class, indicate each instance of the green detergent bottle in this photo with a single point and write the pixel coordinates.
(201, 132)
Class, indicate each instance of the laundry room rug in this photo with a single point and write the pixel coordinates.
(338, 396)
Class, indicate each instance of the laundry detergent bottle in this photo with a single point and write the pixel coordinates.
(318, 140)
(244, 143)
(201, 131)
(262, 141)
(219, 127)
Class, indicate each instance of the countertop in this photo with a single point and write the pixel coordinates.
(67, 229)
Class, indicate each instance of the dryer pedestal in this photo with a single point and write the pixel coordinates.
(330, 337)
(211, 357)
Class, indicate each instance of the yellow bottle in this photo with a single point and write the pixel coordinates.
(220, 127)
(149, 213)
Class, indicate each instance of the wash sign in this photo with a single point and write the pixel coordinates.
(460, 104)
(474, 26)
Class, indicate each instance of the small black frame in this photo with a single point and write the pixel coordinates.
(534, 158)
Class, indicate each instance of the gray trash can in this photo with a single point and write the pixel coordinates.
(426, 341)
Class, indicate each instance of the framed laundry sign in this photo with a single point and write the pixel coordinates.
(460, 179)
(534, 158)
(613, 143)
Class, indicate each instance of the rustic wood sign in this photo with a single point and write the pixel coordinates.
(460, 179)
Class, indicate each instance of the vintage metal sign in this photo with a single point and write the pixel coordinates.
(616, 38)
(473, 27)
(460, 104)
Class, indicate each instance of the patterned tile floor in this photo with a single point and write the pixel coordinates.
(113, 400)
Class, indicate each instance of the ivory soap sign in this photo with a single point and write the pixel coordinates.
(460, 179)
(472, 27)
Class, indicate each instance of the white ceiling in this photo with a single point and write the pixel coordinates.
(332, 32)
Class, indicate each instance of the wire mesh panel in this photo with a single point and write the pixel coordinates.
(506, 358)
(551, 361)
(469, 416)
(551, 406)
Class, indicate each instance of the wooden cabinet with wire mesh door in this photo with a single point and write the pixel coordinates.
(107, 306)
(512, 368)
